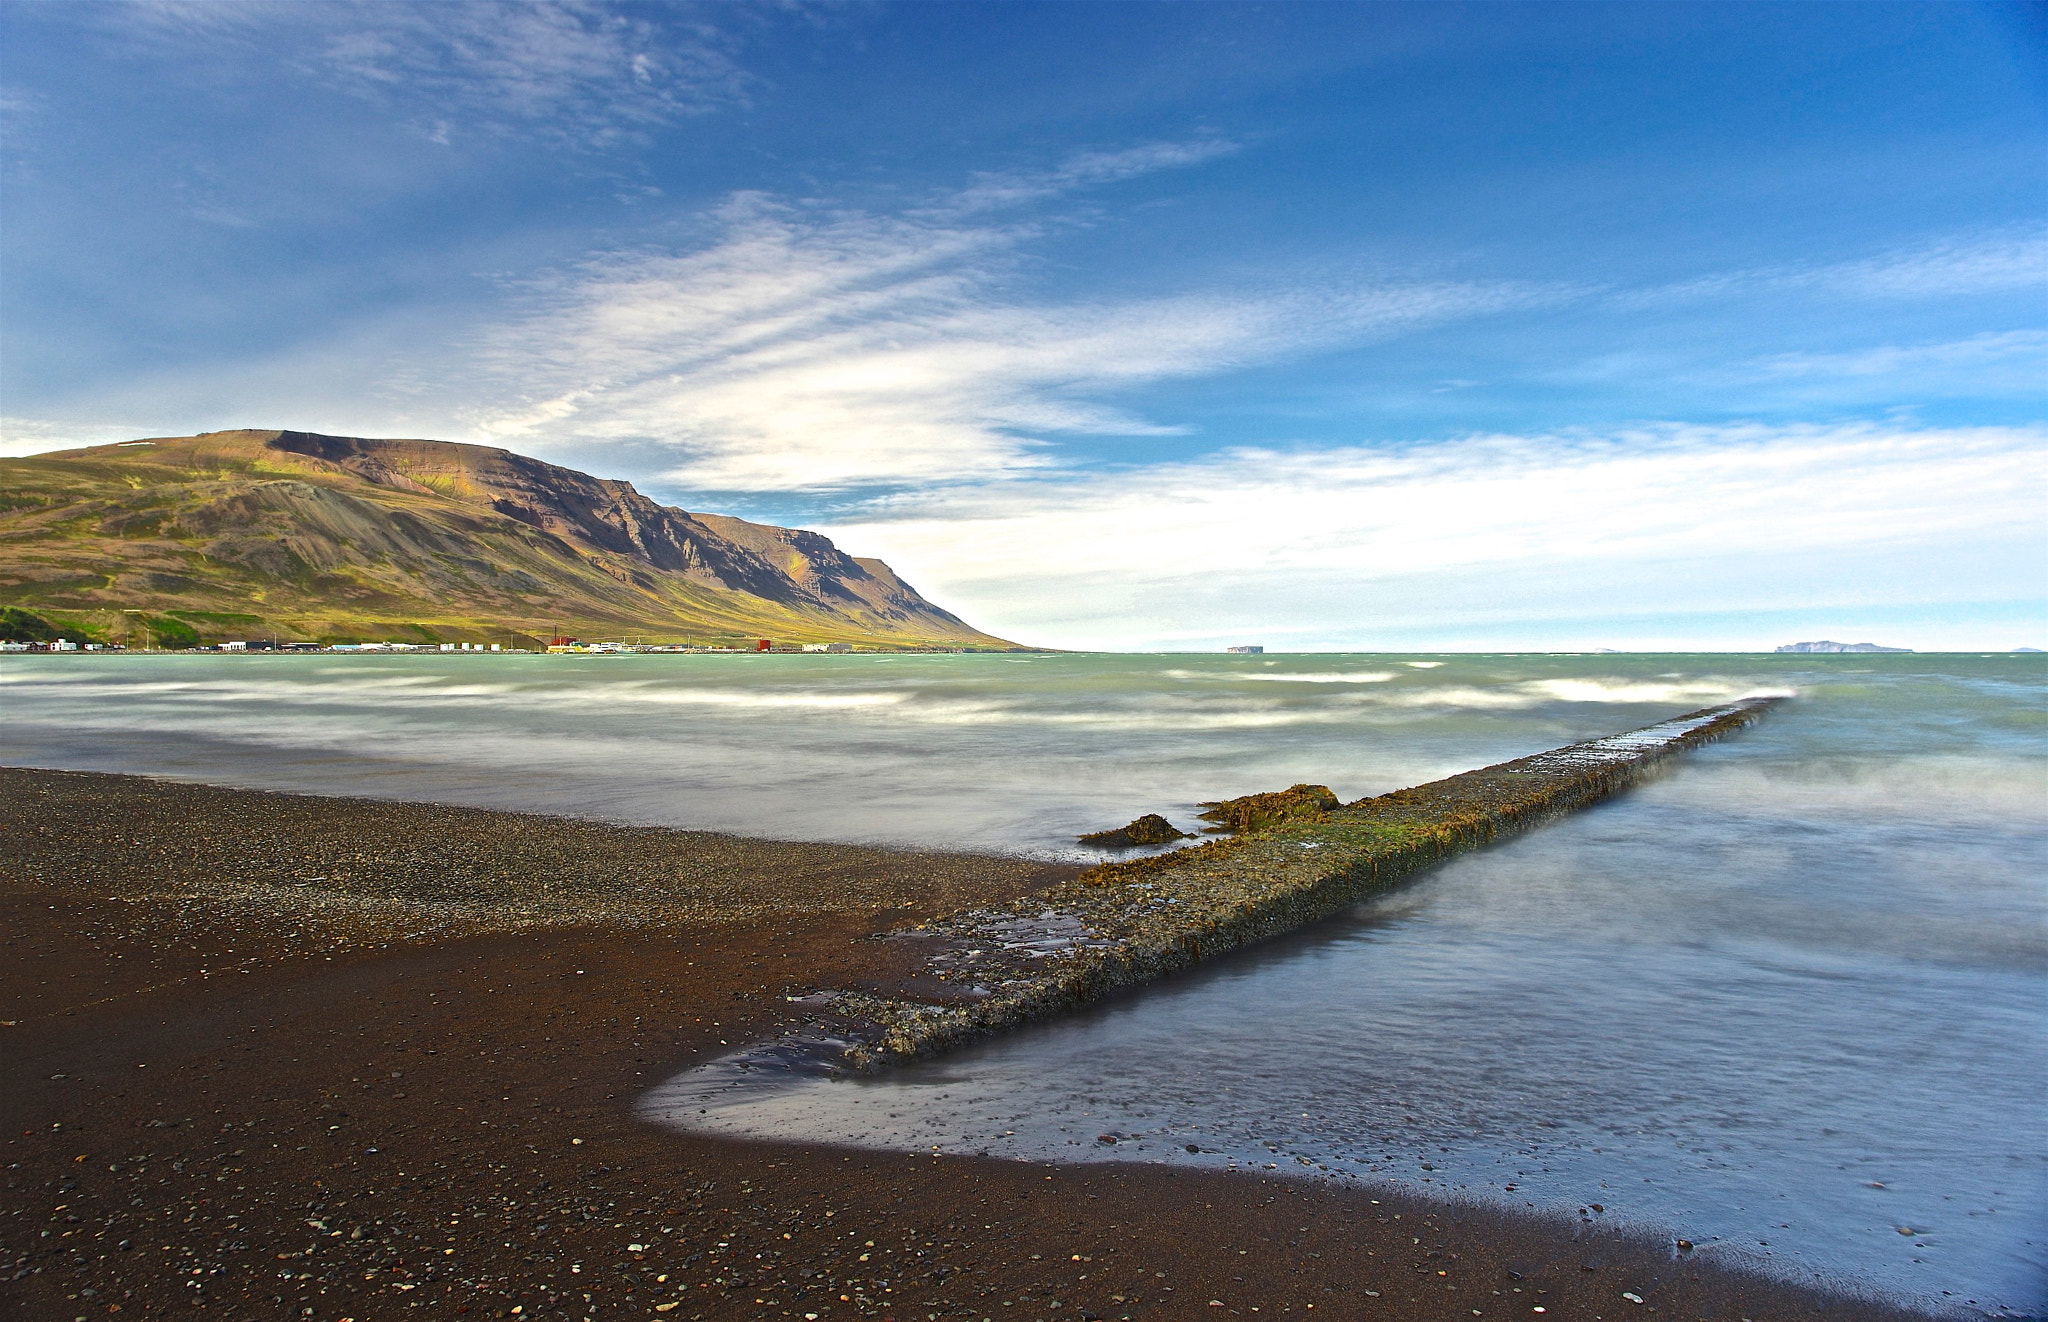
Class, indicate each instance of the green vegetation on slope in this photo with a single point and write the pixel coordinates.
(20, 626)
(244, 534)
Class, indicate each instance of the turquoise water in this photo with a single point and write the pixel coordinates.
(1786, 1002)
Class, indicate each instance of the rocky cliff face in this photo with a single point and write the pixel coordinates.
(318, 535)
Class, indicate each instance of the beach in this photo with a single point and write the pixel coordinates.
(410, 1084)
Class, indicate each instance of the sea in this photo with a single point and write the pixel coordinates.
(1788, 1001)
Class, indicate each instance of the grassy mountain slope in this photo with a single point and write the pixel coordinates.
(240, 533)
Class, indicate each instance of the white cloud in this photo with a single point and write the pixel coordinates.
(994, 189)
(1365, 542)
(2003, 356)
(1950, 266)
(1977, 264)
(19, 104)
(23, 436)
(792, 351)
(564, 68)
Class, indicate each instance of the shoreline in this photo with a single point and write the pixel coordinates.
(411, 1084)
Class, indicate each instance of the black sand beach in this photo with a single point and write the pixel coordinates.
(281, 1056)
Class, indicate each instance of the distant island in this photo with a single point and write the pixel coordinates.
(1825, 646)
(192, 540)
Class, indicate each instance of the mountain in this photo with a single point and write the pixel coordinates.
(1825, 646)
(237, 534)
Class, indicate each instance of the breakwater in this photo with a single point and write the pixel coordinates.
(1122, 924)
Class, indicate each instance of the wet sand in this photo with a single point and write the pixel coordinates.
(278, 1056)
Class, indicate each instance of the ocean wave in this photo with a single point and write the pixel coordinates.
(1284, 677)
(273, 692)
(1634, 691)
(736, 698)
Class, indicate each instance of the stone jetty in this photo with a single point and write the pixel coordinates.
(1126, 923)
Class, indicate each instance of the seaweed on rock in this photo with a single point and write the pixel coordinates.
(1306, 803)
(1151, 829)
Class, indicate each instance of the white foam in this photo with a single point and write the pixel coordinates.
(1633, 691)
(1284, 677)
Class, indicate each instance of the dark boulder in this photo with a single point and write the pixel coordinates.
(1253, 811)
(1151, 829)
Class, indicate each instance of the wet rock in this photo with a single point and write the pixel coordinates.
(1253, 812)
(1151, 829)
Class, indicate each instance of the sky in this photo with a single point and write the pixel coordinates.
(1111, 325)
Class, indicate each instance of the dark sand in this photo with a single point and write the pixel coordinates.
(405, 1090)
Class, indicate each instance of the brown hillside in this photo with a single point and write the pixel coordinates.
(241, 533)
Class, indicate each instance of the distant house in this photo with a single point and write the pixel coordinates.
(828, 647)
(1248, 649)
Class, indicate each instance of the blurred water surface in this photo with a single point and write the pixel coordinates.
(1011, 753)
(1789, 1001)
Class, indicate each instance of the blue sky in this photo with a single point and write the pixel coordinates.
(1119, 325)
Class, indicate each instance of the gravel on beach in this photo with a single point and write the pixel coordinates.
(274, 1056)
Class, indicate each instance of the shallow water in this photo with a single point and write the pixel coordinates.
(1782, 1002)
(975, 752)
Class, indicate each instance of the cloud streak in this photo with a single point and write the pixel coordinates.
(2010, 364)
(566, 69)
(992, 190)
(1987, 262)
(792, 351)
(1993, 353)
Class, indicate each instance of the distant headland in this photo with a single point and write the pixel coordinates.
(1824, 645)
(186, 541)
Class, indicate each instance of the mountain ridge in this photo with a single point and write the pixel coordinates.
(1829, 645)
(317, 536)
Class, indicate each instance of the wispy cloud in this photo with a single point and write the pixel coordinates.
(21, 112)
(1347, 541)
(994, 189)
(18, 104)
(2010, 358)
(563, 68)
(793, 351)
(1950, 266)
(1993, 262)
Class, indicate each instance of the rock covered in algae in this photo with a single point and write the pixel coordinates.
(1253, 812)
(1151, 829)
